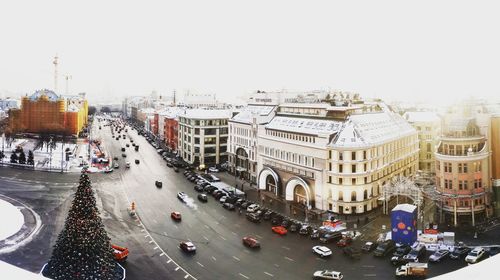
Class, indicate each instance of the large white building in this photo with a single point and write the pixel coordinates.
(335, 155)
(203, 136)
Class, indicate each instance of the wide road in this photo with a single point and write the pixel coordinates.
(217, 232)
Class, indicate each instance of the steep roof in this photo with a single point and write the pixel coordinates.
(250, 111)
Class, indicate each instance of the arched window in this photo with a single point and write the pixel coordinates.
(365, 194)
(353, 196)
(341, 196)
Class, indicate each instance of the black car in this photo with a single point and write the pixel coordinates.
(198, 188)
(203, 197)
(286, 223)
(158, 184)
(459, 252)
(402, 250)
(137, 161)
(330, 237)
(276, 220)
(245, 204)
(315, 234)
(209, 189)
(369, 246)
(253, 217)
(268, 215)
(239, 202)
(232, 199)
(228, 206)
(305, 230)
(352, 252)
(385, 248)
(294, 227)
(169, 165)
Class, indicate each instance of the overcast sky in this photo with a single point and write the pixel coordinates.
(437, 50)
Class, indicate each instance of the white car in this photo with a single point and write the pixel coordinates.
(213, 169)
(223, 199)
(475, 255)
(328, 274)
(252, 208)
(322, 251)
(182, 196)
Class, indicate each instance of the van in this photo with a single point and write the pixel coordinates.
(252, 208)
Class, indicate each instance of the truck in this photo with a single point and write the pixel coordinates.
(412, 269)
(120, 253)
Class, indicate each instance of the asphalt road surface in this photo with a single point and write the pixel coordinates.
(154, 239)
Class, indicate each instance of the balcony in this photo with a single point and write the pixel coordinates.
(463, 209)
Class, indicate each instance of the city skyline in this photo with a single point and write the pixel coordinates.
(432, 52)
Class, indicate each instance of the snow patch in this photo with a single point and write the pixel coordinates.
(12, 219)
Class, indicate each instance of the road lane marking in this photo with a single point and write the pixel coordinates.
(236, 258)
(155, 221)
(258, 236)
(369, 275)
(165, 233)
(368, 266)
(155, 248)
(204, 237)
(244, 276)
(151, 241)
(176, 226)
(286, 248)
(276, 265)
(234, 233)
(186, 277)
(146, 236)
(216, 223)
(206, 226)
(169, 261)
(222, 237)
(289, 259)
(213, 258)
(143, 230)
(177, 268)
(320, 259)
(267, 273)
(162, 254)
(200, 264)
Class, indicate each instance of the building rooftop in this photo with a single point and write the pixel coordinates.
(205, 114)
(247, 114)
(405, 207)
(51, 96)
(304, 125)
(413, 117)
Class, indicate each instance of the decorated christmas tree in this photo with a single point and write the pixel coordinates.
(83, 249)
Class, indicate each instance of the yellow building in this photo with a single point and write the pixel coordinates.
(46, 112)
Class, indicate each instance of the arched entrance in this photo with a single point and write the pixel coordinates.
(298, 190)
(269, 181)
(241, 160)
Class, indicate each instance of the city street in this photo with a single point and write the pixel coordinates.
(153, 242)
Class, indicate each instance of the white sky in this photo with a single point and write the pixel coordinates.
(436, 50)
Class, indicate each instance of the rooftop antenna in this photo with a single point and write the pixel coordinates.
(55, 62)
(67, 78)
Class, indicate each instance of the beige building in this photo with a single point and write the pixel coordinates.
(428, 126)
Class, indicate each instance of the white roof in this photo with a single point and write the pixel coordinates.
(372, 128)
(246, 115)
(405, 207)
(413, 117)
(205, 114)
(304, 125)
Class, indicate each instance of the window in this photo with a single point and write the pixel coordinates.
(353, 168)
(329, 179)
(364, 154)
(341, 168)
(462, 185)
(340, 181)
(341, 157)
(353, 155)
(353, 181)
(428, 147)
(478, 183)
(465, 168)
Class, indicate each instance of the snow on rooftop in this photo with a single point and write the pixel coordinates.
(304, 125)
(413, 117)
(374, 128)
(205, 114)
(246, 115)
(405, 207)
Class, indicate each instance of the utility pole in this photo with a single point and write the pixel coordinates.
(55, 62)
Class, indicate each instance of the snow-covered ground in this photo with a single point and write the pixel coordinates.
(12, 219)
(9, 271)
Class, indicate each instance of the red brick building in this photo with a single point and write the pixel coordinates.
(170, 133)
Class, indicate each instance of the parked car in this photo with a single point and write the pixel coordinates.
(417, 252)
(228, 206)
(182, 196)
(330, 237)
(127, 164)
(286, 223)
(251, 242)
(369, 246)
(305, 229)
(268, 215)
(294, 227)
(213, 169)
(314, 233)
(124, 155)
(176, 216)
(328, 274)
(322, 251)
(276, 220)
(438, 255)
(385, 248)
(345, 241)
(187, 247)
(475, 255)
(352, 252)
(198, 188)
(203, 197)
(238, 202)
(253, 217)
(137, 161)
(252, 208)
(245, 204)
(279, 230)
(459, 252)
(158, 184)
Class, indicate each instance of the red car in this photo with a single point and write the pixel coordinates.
(344, 242)
(279, 230)
(250, 242)
(176, 216)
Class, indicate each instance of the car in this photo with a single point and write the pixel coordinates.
(459, 252)
(115, 158)
(253, 217)
(158, 184)
(328, 274)
(352, 252)
(213, 169)
(385, 248)
(402, 250)
(176, 216)
(198, 188)
(250, 242)
(124, 155)
(123, 149)
(294, 227)
(276, 220)
(475, 255)
(238, 202)
(169, 164)
(268, 215)
(182, 196)
(286, 223)
(417, 252)
(330, 237)
(187, 247)
(228, 206)
(345, 241)
(108, 170)
(305, 229)
(322, 251)
(176, 169)
(279, 230)
(209, 189)
(438, 255)
(368, 247)
(252, 208)
(116, 165)
(202, 197)
(127, 164)
(127, 145)
(232, 199)
(315, 234)
(137, 161)
(245, 204)
(223, 199)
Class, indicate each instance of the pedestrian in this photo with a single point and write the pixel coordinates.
(294, 213)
